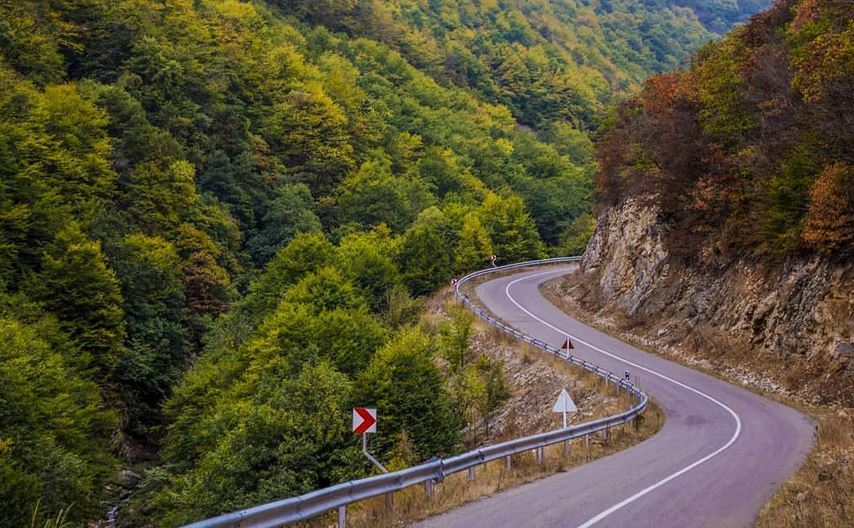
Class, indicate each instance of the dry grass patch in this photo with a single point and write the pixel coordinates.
(821, 493)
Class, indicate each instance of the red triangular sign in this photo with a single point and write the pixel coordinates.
(567, 345)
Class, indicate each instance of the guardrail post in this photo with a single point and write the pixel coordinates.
(566, 447)
(471, 473)
(587, 440)
(428, 488)
(539, 452)
(389, 500)
(342, 516)
(508, 462)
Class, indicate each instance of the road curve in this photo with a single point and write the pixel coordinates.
(721, 454)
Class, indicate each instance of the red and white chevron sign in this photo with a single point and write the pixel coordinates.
(364, 420)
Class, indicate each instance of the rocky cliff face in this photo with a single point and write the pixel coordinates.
(791, 322)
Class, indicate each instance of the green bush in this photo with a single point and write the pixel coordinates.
(54, 431)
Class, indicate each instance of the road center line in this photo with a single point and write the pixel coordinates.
(667, 479)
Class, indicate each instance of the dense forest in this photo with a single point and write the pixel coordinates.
(545, 60)
(217, 219)
(752, 148)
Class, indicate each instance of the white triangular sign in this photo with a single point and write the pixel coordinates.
(564, 403)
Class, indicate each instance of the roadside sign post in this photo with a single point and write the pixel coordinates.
(364, 420)
(364, 423)
(564, 404)
(567, 346)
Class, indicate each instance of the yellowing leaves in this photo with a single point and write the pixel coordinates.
(827, 66)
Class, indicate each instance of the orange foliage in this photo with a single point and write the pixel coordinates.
(206, 282)
(807, 12)
(827, 66)
(730, 149)
(664, 92)
(829, 224)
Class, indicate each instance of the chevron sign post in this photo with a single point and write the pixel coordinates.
(364, 423)
(364, 420)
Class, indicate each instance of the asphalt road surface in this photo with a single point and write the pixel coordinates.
(721, 454)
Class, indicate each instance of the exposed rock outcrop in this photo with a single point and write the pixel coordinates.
(791, 321)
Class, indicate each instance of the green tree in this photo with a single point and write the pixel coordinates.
(159, 198)
(309, 130)
(725, 115)
(158, 348)
(348, 339)
(28, 47)
(325, 289)
(492, 389)
(303, 255)
(788, 197)
(475, 247)
(407, 389)
(512, 230)
(80, 149)
(402, 309)
(426, 255)
(577, 234)
(77, 285)
(373, 196)
(368, 260)
(455, 336)
(290, 437)
(291, 212)
(54, 431)
(442, 172)
(569, 141)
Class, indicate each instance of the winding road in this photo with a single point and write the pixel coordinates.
(721, 454)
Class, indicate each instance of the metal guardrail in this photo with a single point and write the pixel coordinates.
(317, 502)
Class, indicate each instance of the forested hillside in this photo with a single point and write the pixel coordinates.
(749, 150)
(216, 218)
(549, 61)
(720, 15)
(726, 204)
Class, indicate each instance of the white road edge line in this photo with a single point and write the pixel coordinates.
(665, 480)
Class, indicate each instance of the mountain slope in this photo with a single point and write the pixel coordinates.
(749, 149)
(180, 178)
(546, 60)
(726, 197)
